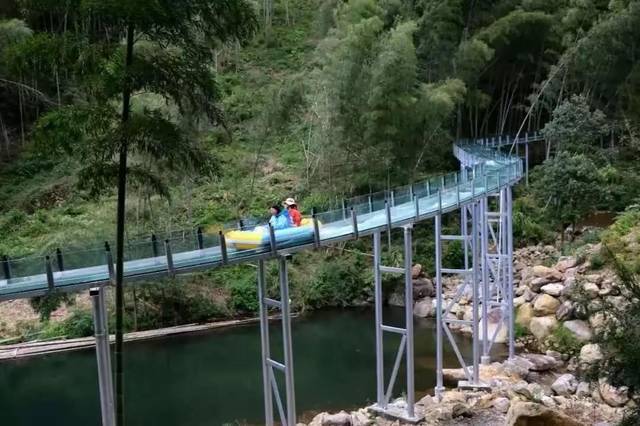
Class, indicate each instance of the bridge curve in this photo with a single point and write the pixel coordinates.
(484, 170)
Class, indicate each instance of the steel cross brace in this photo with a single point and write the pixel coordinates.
(469, 235)
(405, 350)
(287, 408)
(497, 270)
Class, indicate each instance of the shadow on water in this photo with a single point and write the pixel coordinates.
(214, 378)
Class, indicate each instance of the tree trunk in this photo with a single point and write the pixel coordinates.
(122, 187)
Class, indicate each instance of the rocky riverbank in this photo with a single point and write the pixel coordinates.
(559, 306)
(532, 389)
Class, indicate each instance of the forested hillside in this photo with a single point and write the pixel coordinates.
(315, 99)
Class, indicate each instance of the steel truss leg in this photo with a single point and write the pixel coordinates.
(406, 348)
(497, 270)
(286, 408)
(471, 273)
(105, 378)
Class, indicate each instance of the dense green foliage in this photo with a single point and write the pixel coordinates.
(330, 98)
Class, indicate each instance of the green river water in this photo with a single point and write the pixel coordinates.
(214, 378)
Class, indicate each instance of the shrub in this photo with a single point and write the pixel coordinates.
(79, 324)
(243, 296)
(619, 338)
(45, 305)
(338, 282)
(520, 331)
(563, 341)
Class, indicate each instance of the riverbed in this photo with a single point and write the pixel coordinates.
(214, 377)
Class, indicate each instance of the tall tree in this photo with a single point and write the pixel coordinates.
(166, 53)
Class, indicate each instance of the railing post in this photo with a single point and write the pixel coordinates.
(223, 248)
(6, 268)
(316, 231)
(101, 333)
(272, 240)
(49, 273)
(109, 259)
(59, 259)
(200, 238)
(169, 254)
(354, 223)
(154, 245)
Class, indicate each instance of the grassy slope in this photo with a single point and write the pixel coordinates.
(40, 209)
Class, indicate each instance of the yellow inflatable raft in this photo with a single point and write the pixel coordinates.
(259, 236)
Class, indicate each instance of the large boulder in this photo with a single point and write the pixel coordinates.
(583, 390)
(580, 329)
(416, 271)
(553, 289)
(566, 262)
(546, 272)
(533, 414)
(424, 308)
(501, 404)
(423, 287)
(591, 289)
(495, 326)
(565, 311)
(542, 327)
(537, 283)
(325, 419)
(615, 397)
(540, 362)
(524, 314)
(590, 354)
(545, 305)
(565, 385)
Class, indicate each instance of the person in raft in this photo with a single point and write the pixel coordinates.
(295, 218)
(279, 219)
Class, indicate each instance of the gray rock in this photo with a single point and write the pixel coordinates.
(517, 365)
(528, 295)
(553, 289)
(530, 413)
(501, 404)
(565, 311)
(583, 390)
(591, 289)
(537, 283)
(541, 362)
(541, 327)
(396, 299)
(424, 308)
(565, 385)
(521, 388)
(416, 271)
(615, 397)
(580, 329)
(566, 262)
(590, 354)
(423, 287)
(460, 409)
(545, 305)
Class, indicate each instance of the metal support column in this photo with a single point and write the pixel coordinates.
(471, 281)
(405, 412)
(509, 240)
(497, 271)
(287, 407)
(105, 378)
